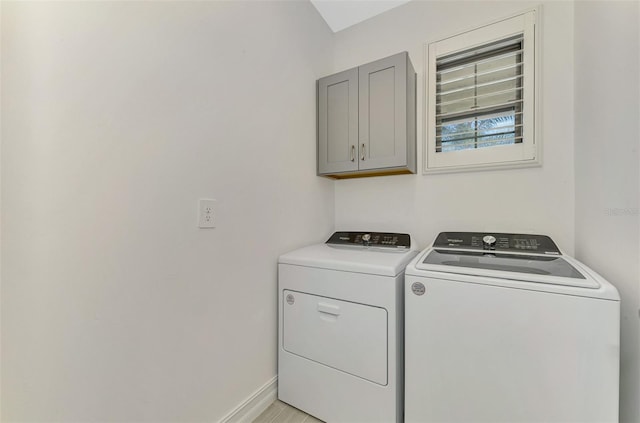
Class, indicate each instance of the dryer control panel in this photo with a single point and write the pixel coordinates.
(540, 244)
(371, 239)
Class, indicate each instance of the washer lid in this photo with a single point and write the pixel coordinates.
(538, 268)
(370, 260)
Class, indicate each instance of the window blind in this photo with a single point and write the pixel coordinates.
(479, 99)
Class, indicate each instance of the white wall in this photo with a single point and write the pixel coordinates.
(607, 124)
(538, 200)
(117, 117)
(0, 219)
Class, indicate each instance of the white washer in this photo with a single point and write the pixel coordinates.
(340, 327)
(504, 328)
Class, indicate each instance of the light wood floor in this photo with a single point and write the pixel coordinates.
(279, 412)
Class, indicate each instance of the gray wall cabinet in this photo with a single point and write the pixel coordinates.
(367, 120)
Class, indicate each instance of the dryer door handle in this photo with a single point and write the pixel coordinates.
(329, 309)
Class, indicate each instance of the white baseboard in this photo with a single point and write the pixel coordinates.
(255, 404)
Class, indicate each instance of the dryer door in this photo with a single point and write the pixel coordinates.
(346, 336)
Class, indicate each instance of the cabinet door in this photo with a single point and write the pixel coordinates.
(338, 122)
(383, 113)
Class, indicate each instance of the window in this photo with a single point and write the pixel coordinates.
(481, 98)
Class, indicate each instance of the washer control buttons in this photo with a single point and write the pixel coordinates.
(489, 242)
(371, 239)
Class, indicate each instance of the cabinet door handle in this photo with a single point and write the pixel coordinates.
(363, 153)
(353, 153)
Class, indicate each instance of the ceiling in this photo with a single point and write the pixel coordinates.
(340, 14)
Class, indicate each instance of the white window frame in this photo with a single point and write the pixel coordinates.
(525, 154)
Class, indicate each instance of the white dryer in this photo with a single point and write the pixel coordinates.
(505, 328)
(340, 338)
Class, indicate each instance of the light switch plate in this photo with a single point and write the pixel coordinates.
(207, 212)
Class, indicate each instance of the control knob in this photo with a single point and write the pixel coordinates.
(366, 238)
(489, 242)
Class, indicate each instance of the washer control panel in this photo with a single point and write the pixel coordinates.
(540, 244)
(371, 239)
